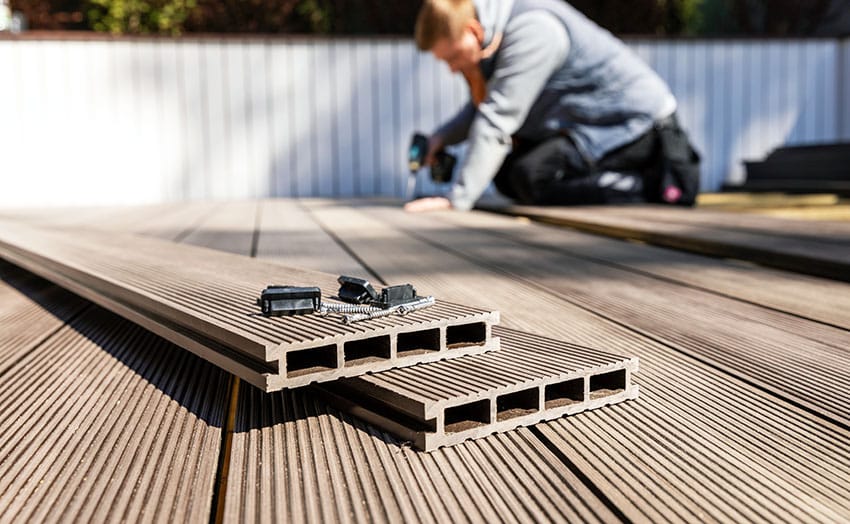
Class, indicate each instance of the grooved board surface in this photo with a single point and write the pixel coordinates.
(820, 249)
(104, 421)
(707, 426)
(814, 298)
(802, 361)
(532, 379)
(31, 309)
(182, 293)
(294, 459)
(290, 450)
(702, 442)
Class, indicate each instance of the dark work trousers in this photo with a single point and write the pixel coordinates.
(553, 172)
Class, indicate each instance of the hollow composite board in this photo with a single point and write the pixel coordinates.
(813, 255)
(202, 300)
(291, 453)
(530, 380)
(802, 361)
(699, 444)
(102, 420)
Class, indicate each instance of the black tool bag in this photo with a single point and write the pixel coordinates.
(676, 179)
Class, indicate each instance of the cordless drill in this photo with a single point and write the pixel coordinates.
(441, 170)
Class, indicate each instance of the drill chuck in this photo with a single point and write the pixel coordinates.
(443, 167)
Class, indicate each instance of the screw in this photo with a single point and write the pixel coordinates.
(401, 310)
(331, 307)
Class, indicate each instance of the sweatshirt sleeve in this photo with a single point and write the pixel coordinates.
(534, 46)
(456, 130)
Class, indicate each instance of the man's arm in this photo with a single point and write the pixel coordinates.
(534, 46)
(456, 130)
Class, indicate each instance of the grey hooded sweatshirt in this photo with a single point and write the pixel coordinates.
(555, 72)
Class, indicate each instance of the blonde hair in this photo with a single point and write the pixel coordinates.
(440, 19)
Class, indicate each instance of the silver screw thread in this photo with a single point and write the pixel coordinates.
(400, 310)
(331, 307)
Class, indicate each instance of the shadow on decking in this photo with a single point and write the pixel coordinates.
(295, 413)
(196, 385)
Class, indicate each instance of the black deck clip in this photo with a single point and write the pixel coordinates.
(356, 290)
(279, 301)
(392, 296)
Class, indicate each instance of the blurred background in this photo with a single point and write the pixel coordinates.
(133, 101)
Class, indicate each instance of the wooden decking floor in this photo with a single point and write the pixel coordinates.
(742, 416)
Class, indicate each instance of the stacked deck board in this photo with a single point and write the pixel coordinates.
(203, 301)
(530, 380)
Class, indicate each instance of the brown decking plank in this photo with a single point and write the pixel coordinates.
(31, 309)
(288, 235)
(821, 258)
(800, 360)
(829, 232)
(368, 474)
(819, 299)
(294, 458)
(182, 291)
(531, 379)
(800, 459)
(96, 414)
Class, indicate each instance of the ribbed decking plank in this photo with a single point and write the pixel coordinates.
(181, 293)
(102, 420)
(530, 380)
(821, 256)
(106, 421)
(288, 235)
(814, 298)
(31, 309)
(752, 456)
(803, 361)
(295, 459)
(823, 231)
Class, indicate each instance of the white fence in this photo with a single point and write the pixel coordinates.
(142, 121)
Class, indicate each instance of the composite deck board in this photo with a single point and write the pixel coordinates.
(106, 421)
(295, 459)
(796, 359)
(529, 380)
(814, 298)
(31, 309)
(288, 235)
(204, 301)
(103, 421)
(780, 461)
(821, 255)
(821, 232)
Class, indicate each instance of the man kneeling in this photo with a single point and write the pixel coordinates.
(561, 111)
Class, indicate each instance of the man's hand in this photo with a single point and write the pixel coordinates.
(426, 204)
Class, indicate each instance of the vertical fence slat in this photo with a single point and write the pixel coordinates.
(844, 88)
(345, 117)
